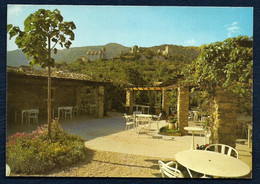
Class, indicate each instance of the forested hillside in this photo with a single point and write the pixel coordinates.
(16, 58)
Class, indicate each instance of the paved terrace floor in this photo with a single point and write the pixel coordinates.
(108, 134)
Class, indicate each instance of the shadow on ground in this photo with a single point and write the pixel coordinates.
(85, 126)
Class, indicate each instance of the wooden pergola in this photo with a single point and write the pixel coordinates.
(165, 88)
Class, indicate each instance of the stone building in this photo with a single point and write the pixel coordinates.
(29, 91)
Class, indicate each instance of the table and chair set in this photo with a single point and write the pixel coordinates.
(29, 116)
(141, 123)
(216, 161)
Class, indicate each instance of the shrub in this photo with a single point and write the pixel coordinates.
(35, 153)
(167, 131)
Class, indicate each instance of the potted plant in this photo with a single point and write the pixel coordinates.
(172, 120)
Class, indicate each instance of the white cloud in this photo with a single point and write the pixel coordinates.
(232, 29)
(190, 42)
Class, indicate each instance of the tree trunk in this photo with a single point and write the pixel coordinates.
(49, 91)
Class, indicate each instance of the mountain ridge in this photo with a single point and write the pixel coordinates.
(17, 58)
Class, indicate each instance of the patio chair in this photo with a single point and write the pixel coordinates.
(170, 169)
(137, 112)
(7, 170)
(157, 120)
(32, 114)
(145, 125)
(129, 121)
(223, 149)
(191, 116)
(68, 111)
(75, 110)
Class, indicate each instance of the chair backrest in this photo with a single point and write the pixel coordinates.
(137, 112)
(223, 149)
(169, 171)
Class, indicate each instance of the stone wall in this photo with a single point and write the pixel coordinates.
(30, 92)
(225, 118)
(183, 108)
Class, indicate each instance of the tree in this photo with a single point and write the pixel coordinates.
(228, 65)
(43, 30)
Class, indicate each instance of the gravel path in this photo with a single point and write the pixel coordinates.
(111, 164)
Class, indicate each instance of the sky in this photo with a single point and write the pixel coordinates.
(143, 25)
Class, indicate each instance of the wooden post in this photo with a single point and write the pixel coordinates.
(165, 102)
(130, 100)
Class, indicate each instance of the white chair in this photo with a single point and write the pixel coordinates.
(68, 111)
(7, 170)
(157, 120)
(223, 149)
(144, 124)
(75, 110)
(170, 169)
(137, 112)
(32, 114)
(191, 116)
(129, 121)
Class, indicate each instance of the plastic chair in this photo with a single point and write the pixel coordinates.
(157, 120)
(129, 121)
(32, 114)
(223, 149)
(68, 111)
(137, 112)
(170, 169)
(7, 170)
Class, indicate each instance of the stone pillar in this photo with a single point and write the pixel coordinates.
(130, 100)
(165, 102)
(100, 105)
(183, 108)
(225, 118)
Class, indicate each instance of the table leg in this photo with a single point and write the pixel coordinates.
(248, 137)
(192, 141)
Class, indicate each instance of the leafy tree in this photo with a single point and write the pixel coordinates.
(43, 30)
(227, 64)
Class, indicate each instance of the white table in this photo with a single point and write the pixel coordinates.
(70, 108)
(193, 129)
(29, 111)
(144, 118)
(212, 163)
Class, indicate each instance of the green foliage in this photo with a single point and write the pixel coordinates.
(227, 64)
(35, 153)
(224, 64)
(41, 29)
(167, 131)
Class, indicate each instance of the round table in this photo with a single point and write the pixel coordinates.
(212, 163)
(193, 129)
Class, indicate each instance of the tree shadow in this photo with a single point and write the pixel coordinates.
(89, 157)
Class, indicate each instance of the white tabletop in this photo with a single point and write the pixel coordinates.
(212, 163)
(193, 128)
(144, 115)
